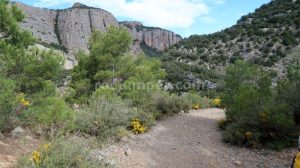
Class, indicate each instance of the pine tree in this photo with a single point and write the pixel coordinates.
(23, 68)
(13, 40)
(101, 65)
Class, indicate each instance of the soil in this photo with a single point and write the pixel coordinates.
(11, 149)
(193, 140)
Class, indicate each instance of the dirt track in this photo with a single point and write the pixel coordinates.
(194, 141)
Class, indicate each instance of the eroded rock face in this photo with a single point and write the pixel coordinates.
(71, 28)
(76, 24)
(68, 28)
(156, 38)
(40, 22)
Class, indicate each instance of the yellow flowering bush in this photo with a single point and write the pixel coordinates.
(62, 153)
(137, 126)
(36, 157)
(39, 155)
(217, 102)
(22, 100)
(196, 106)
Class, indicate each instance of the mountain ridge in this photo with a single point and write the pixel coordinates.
(265, 37)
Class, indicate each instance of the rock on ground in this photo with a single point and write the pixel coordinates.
(17, 132)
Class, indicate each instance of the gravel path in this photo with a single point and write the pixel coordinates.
(192, 141)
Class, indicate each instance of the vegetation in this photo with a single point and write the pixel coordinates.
(137, 83)
(264, 37)
(111, 97)
(101, 66)
(7, 102)
(107, 98)
(106, 117)
(259, 114)
(25, 70)
(62, 152)
(150, 51)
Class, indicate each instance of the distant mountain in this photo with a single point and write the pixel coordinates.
(69, 29)
(264, 37)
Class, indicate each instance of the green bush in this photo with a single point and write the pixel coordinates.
(195, 98)
(65, 153)
(170, 104)
(38, 67)
(49, 112)
(106, 117)
(105, 91)
(158, 103)
(254, 117)
(288, 89)
(52, 110)
(7, 102)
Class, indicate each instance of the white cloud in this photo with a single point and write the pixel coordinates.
(161, 13)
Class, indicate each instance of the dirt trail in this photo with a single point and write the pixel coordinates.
(11, 149)
(193, 141)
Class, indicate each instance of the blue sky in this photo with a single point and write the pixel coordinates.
(185, 17)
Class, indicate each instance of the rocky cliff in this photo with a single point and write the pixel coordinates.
(156, 38)
(69, 29)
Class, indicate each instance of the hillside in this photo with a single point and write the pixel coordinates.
(264, 37)
(69, 29)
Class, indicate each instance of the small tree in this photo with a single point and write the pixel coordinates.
(22, 68)
(29, 67)
(253, 115)
(101, 65)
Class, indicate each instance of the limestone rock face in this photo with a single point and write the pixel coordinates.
(68, 28)
(156, 38)
(74, 29)
(40, 22)
(76, 24)
(71, 28)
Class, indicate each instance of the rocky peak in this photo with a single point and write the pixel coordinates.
(79, 5)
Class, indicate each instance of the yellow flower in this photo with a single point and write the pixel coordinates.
(217, 102)
(196, 106)
(36, 157)
(248, 135)
(24, 102)
(46, 147)
(138, 128)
